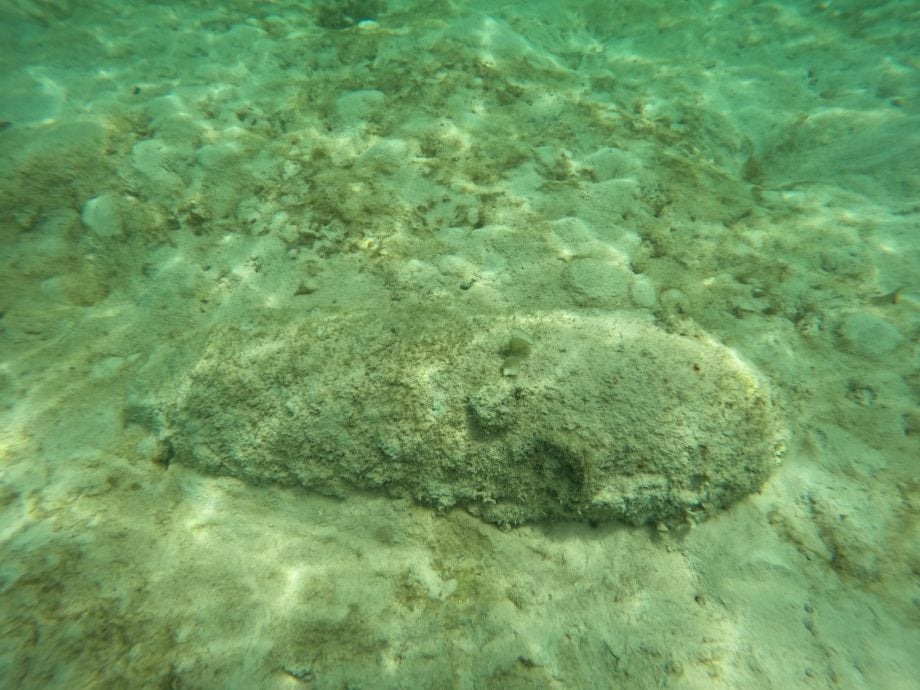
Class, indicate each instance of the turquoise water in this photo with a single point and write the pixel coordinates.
(459, 345)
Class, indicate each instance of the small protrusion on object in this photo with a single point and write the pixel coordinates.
(515, 350)
(519, 344)
(511, 366)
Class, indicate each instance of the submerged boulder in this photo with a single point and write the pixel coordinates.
(602, 417)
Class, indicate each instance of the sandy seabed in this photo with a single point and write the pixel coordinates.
(741, 174)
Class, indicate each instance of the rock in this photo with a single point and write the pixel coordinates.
(102, 215)
(870, 335)
(611, 418)
(595, 282)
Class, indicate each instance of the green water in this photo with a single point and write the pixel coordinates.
(400, 344)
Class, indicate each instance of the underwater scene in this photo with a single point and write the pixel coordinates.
(399, 344)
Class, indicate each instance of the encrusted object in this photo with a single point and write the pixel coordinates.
(611, 418)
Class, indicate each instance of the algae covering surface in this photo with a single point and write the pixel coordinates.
(605, 417)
